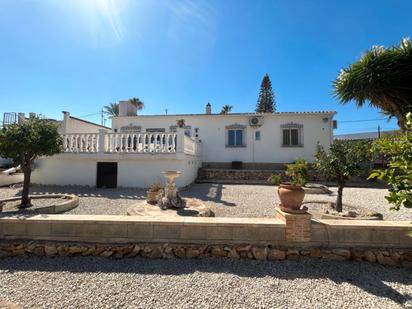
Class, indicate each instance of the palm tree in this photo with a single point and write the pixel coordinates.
(381, 77)
(136, 102)
(112, 109)
(226, 109)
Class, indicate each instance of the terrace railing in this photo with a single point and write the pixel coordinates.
(108, 142)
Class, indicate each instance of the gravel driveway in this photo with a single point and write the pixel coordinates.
(225, 200)
(86, 282)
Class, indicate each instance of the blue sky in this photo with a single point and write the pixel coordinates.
(79, 55)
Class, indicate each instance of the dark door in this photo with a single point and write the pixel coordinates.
(106, 175)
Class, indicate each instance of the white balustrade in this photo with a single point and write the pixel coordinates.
(156, 142)
(80, 142)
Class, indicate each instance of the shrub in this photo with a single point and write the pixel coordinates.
(398, 174)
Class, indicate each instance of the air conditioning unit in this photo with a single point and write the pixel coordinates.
(256, 121)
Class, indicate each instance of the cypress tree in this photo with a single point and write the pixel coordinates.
(266, 101)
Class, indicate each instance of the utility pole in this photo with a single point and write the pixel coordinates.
(166, 111)
(379, 131)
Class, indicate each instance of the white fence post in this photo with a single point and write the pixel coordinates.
(180, 140)
(102, 144)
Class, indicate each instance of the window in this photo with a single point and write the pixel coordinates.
(292, 135)
(257, 135)
(236, 135)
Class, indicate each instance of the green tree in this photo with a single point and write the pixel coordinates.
(398, 150)
(343, 160)
(381, 77)
(25, 142)
(226, 109)
(136, 102)
(266, 101)
(112, 110)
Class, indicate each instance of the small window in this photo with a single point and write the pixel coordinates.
(235, 138)
(257, 135)
(292, 137)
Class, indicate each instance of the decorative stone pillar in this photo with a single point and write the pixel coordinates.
(101, 140)
(298, 226)
(180, 139)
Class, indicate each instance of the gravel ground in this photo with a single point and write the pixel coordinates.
(225, 200)
(86, 282)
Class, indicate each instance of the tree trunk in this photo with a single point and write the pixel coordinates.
(25, 200)
(339, 198)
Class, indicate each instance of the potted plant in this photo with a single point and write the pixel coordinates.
(153, 192)
(291, 193)
(180, 123)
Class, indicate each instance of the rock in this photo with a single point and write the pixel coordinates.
(50, 250)
(233, 254)
(206, 212)
(74, 249)
(218, 251)
(370, 256)
(179, 252)
(276, 254)
(168, 252)
(192, 253)
(106, 253)
(350, 213)
(260, 253)
(156, 253)
(342, 252)
(357, 255)
(316, 253)
(38, 251)
(380, 258)
(407, 256)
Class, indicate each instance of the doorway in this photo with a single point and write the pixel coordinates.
(106, 175)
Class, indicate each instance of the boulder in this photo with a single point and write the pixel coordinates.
(276, 254)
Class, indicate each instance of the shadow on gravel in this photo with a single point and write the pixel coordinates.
(372, 278)
(207, 192)
(124, 193)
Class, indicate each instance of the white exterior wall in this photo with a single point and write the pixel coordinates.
(74, 125)
(212, 133)
(137, 171)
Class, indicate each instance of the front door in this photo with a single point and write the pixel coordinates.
(106, 175)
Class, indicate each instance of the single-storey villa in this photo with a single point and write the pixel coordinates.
(137, 148)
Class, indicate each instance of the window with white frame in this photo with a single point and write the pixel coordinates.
(236, 136)
(292, 135)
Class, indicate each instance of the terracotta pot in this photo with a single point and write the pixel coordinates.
(152, 197)
(291, 196)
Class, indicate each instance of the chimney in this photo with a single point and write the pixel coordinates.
(127, 109)
(208, 109)
(21, 118)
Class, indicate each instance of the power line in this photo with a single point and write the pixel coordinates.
(362, 120)
(98, 113)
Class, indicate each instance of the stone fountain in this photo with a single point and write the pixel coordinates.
(170, 198)
(170, 203)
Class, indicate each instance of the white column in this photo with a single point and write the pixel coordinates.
(101, 140)
(180, 143)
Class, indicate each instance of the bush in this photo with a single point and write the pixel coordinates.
(398, 151)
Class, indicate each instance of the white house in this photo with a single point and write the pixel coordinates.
(140, 147)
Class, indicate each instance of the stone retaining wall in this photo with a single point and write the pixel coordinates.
(389, 256)
(289, 236)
